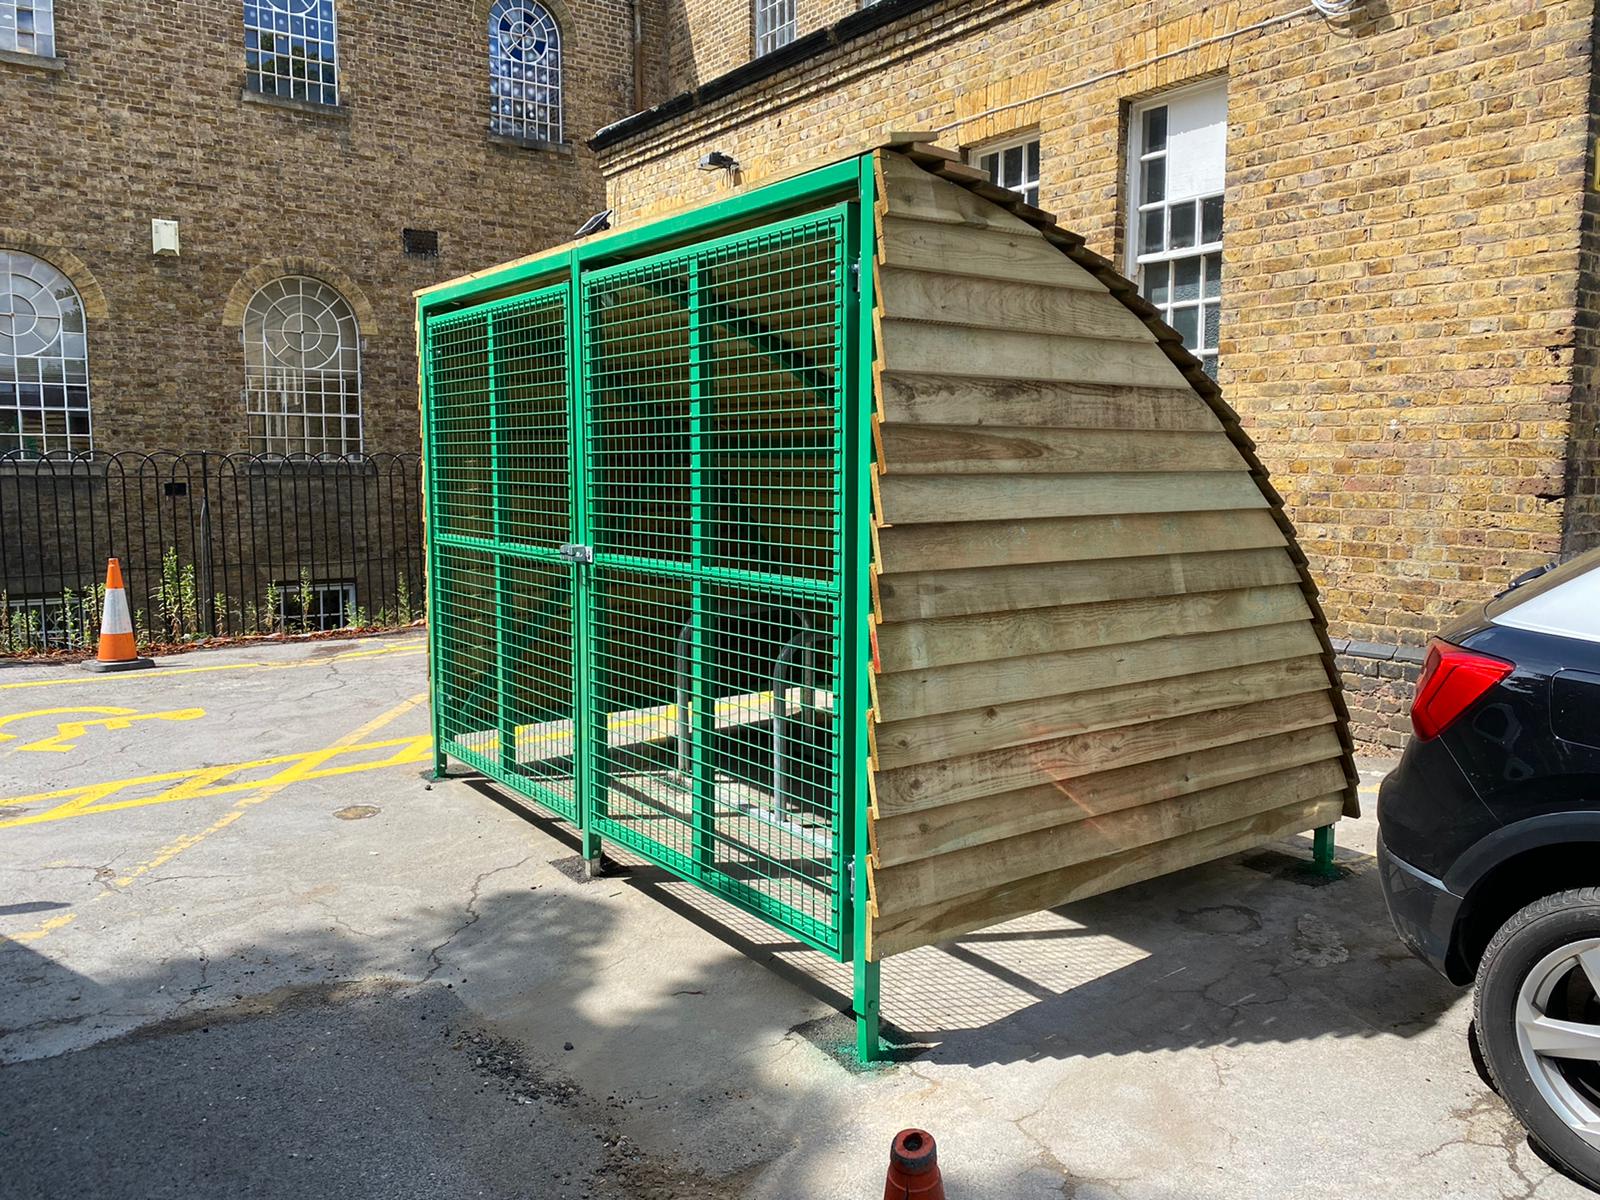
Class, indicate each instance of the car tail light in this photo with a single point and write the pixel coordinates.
(1452, 681)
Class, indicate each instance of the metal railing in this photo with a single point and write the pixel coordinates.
(211, 545)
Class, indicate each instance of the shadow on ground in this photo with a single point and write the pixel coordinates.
(473, 1076)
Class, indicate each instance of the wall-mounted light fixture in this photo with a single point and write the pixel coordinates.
(718, 161)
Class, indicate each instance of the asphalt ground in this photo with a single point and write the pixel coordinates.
(248, 948)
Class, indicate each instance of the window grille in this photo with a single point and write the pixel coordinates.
(314, 607)
(1014, 166)
(774, 25)
(44, 359)
(524, 71)
(290, 49)
(302, 357)
(28, 27)
(64, 621)
(1177, 156)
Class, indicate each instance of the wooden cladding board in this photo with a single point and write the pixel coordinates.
(1097, 658)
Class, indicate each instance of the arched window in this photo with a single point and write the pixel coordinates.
(44, 358)
(302, 365)
(291, 49)
(524, 71)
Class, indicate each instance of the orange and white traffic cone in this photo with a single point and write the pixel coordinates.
(913, 1167)
(118, 650)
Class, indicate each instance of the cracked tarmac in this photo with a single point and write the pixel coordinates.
(366, 983)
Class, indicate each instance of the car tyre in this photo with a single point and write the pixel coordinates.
(1537, 1010)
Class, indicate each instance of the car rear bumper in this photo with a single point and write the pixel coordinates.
(1423, 911)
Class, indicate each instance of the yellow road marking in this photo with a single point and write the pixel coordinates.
(262, 793)
(409, 648)
(64, 738)
(205, 782)
(60, 712)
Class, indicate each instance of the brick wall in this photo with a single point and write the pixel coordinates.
(146, 120)
(701, 39)
(1404, 201)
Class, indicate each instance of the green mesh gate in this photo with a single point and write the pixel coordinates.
(637, 543)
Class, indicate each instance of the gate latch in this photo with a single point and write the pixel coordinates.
(575, 552)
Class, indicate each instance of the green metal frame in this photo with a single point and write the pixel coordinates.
(842, 194)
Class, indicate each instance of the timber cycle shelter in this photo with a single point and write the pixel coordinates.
(867, 552)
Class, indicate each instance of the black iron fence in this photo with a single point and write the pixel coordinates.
(211, 545)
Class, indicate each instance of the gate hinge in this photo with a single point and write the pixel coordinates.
(575, 552)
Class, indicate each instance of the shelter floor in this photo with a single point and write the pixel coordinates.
(247, 948)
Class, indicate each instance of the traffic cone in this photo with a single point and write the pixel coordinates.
(118, 650)
(913, 1167)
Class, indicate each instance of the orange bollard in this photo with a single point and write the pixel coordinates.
(913, 1167)
(118, 650)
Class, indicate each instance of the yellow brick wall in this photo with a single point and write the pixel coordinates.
(701, 39)
(1404, 200)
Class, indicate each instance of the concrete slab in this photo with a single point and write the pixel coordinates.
(290, 940)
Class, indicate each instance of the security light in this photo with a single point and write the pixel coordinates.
(718, 161)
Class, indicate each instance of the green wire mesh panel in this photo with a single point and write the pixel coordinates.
(500, 464)
(714, 446)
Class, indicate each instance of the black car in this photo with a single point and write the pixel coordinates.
(1489, 844)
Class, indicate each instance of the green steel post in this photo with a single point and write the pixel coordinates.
(430, 547)
(589, 785)
(1322, 852)
(701, 698)
(858, 601)
(505, 724)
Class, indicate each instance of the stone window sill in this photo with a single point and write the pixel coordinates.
(38, 62)
(522, 143)
(311, 107)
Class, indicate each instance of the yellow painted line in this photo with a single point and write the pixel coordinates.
(67, 732)
(101, 711)
(263, 792)
(39, 931)
(207, 782)
(410, 648)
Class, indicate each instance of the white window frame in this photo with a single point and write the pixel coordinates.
(263, 36)
(1027, 182)
(1144, 268)
(28, 27)
(526, 98)
(56, 371)
(282, 396)
(344, 589)
(775, 23)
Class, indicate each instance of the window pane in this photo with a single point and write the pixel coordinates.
(1155, 283)
(1186, 279)
(1211, 219)
(1013, 168)
(1182, 226)
(1033, 161)
(1151, 242)
(524, 71)
(43, 349)
(1187, 322)
(288, 53)
(1213, 275)
(1155, 129)
(990, 165)
(1155, 181)
(302, 364)
(1213, 320)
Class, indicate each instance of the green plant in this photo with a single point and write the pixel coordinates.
(403, 614)
(305, 596)
(269, 623)
(177, 601)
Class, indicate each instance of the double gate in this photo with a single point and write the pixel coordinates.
(637, 547)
